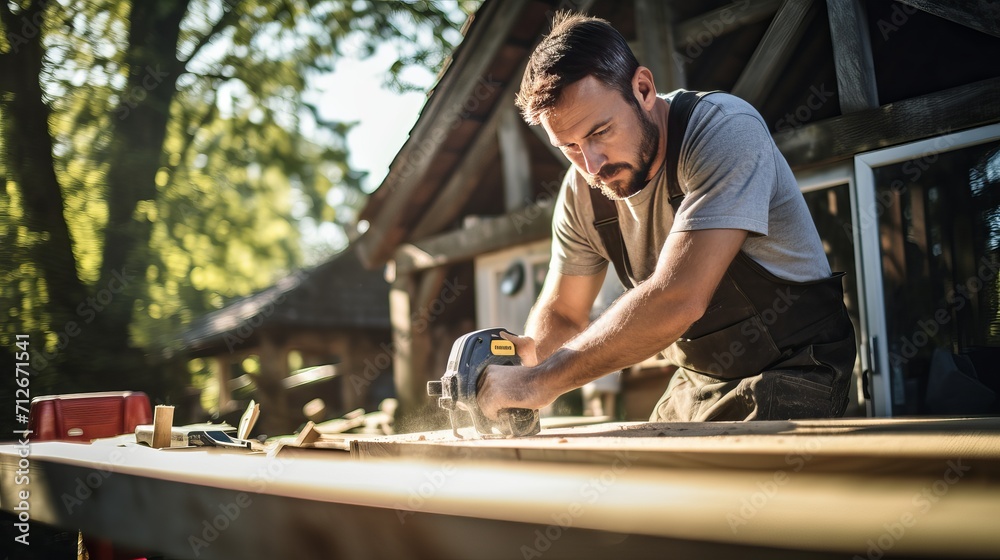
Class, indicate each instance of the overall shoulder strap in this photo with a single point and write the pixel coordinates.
(606, 223)
(605, 212)
(677, 121)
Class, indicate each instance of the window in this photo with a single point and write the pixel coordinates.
(932, 241)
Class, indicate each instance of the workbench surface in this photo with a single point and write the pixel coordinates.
(855, 487)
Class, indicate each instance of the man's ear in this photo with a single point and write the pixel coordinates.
(643, 88)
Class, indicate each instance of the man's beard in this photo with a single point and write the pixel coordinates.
(633, 176)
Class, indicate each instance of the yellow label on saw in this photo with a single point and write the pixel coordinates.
(502, 348)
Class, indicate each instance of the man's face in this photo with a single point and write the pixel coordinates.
(610, 141)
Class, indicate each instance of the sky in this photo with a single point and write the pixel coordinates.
(354, 92)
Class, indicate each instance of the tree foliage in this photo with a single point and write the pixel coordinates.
(155, 153)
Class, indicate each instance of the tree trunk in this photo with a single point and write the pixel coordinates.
(28, 144)
(139, 129)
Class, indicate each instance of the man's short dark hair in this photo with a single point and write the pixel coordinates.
(577, 46)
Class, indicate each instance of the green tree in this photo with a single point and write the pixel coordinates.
(152, 152)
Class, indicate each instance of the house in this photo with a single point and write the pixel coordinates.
(888, 113)
(336, 313)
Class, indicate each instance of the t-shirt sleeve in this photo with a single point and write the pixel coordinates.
(573, 251)
(728, 173)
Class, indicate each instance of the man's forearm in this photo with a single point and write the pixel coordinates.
(638, 325)
(550, 330)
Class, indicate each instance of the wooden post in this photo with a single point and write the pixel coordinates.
(515, 159)
(852, 54)
(409, 298)
(163, 421)
(221, 367)
(275, 416)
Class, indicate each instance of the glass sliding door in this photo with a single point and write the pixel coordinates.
(829, 196)
(930, 225)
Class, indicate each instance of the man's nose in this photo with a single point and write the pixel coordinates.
(593, 160)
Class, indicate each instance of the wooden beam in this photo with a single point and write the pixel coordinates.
(442, 111)
(405, 368)
(774, 50)
(220, 369)
(654, 26)
(461, 184)
(528, 224)
(913, 119)
(514, 157)
(704, 29)
(852, 54)
(410, 297)
(981, 15)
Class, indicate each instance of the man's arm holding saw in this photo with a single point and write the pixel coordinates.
(561, 312)
(639, 324)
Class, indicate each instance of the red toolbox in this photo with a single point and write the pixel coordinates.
(87, 416)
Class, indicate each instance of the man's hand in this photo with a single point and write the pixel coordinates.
(524, 346)
(511, 387)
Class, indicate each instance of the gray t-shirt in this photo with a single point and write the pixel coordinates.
(733, 177)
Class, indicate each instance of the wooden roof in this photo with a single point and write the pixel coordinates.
(339, 293)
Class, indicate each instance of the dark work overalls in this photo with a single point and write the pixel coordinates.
(766, 348)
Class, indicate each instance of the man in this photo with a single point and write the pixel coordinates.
(730, 279)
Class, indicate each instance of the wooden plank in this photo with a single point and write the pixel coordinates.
(515, 161)
(852, 54)
(441, 112)
(528, 224)
(838, 445)
(981, 15)
(774, 50)
(702, 30)
(913, 119)
(320, 504)
(654, 26)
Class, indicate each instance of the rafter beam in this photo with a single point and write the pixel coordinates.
(654, 26)
(774, 50)
(842, 137)
(981, 15)
(705, 28)
(528, 224)
(852, 55)
(443, 109)
(461, 184)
